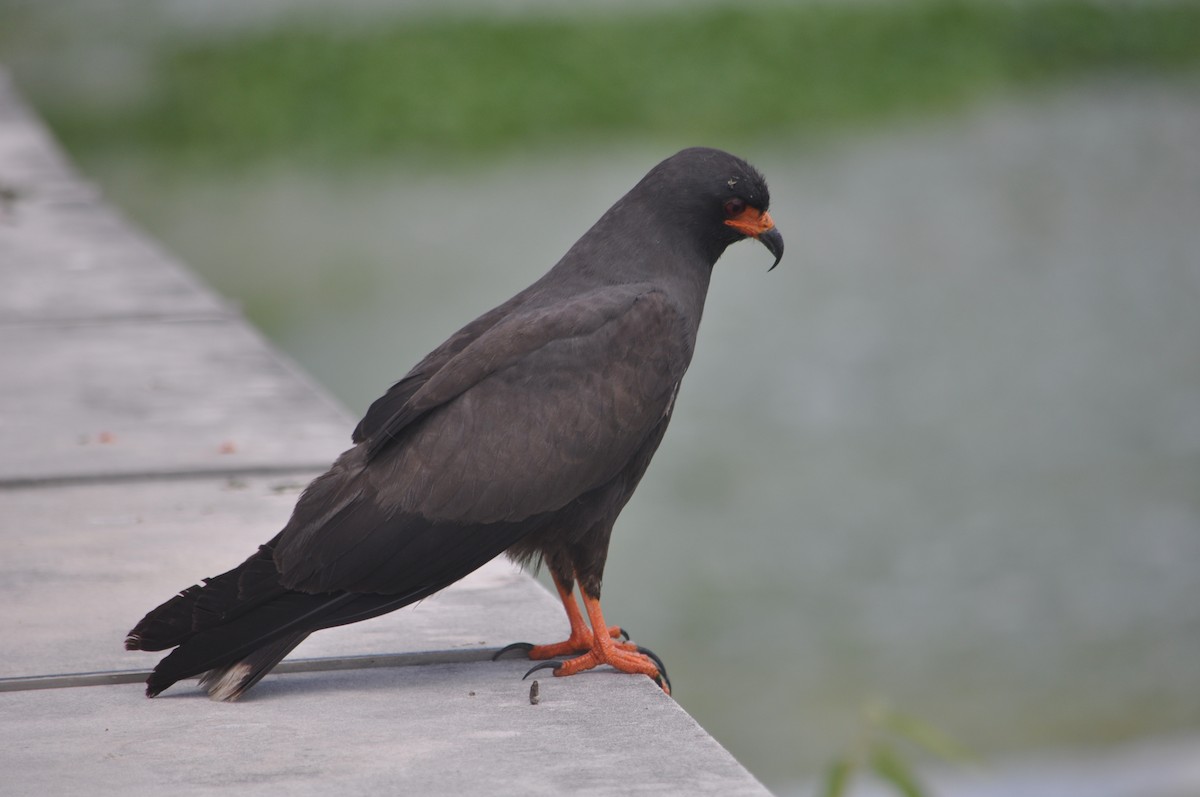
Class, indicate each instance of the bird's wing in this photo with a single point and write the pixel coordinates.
(542, 408)
(380, 422)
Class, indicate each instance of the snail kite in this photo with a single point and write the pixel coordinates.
(526, 432)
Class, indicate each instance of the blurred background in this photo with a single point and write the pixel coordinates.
(946, 456)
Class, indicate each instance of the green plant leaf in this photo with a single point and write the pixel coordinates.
(924, 735)
(893, 770)
(838, 777)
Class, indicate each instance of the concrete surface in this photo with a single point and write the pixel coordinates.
(70, 598)
(435, 729)
(150, 438)
(152, 397)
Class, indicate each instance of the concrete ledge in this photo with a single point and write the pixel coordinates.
(156, 397)
(152, 438)
(83, 563)
(434, 729)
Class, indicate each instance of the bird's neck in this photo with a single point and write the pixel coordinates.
(635, 242)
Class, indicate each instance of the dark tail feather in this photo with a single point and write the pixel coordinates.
(231, 681)
(254, 638)
(234, 628)
(235, 656)
(214, 602)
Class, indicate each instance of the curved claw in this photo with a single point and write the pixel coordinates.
(662, 670)
(653, 657)
(525, 646)
(545, 665)
(623, 634)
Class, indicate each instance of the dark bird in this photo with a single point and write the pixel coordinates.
(526, 432)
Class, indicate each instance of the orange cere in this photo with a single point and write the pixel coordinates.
(751, 221)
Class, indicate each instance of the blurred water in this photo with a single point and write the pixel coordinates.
(947, 453)
(1155, 768)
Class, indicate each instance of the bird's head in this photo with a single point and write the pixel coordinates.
(721, 197)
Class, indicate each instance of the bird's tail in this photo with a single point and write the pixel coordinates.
(235, 655)
(210, 603)
(231, 681)
(234, 628)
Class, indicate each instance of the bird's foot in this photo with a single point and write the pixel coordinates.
(625, 657)
(581, 640)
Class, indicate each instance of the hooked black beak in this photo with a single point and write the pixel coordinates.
(759, 224)
(774, 243)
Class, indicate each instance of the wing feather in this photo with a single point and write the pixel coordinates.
(526, 427)
(540, 409)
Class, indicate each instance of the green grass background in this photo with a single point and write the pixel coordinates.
(459, 87)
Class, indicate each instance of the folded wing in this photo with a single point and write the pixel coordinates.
(541, 408)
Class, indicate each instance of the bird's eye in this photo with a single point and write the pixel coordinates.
(734, 207)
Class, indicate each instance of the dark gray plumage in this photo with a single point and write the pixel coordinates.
(527, 431)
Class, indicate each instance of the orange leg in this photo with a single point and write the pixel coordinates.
(581, 638)
(596, 649)
(621, 656)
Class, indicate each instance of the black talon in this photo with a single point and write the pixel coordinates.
(662, 670)
(545, 665)
(623, 634)
(525, 646)
(653, 657)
